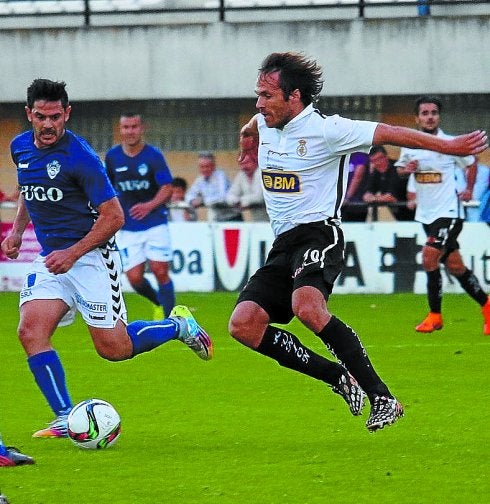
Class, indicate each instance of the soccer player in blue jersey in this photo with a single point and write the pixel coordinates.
(142, 179)
(65, 192)
(11, 456)
(304, 158)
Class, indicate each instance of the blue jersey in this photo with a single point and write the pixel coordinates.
(62, 185)
(137, 179)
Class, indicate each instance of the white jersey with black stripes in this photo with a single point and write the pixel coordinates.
(305, 166)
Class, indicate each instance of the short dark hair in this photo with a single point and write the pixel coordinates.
(427, 99)
(131, 114)
(377, 148)
(206, 155)
(179, 182)
(45, 89)
(295, 72)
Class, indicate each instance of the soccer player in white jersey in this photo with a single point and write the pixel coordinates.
(304, 159)
(435, 187)
(65, 192)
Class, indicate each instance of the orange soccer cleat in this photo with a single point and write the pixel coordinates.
(485, 309)
(433, 322)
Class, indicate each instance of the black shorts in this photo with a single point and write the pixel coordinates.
(309, 254)
(443, 233)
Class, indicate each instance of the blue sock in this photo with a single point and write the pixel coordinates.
(166, 297)
(146, 290)
(50, 378)
(148, 335)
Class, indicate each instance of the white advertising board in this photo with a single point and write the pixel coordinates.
(383, 257)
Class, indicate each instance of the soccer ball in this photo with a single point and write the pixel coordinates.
(94, 424)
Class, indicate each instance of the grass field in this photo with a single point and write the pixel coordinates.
(240, 429)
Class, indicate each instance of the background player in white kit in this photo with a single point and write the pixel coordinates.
(438, 184)
(65, 191)
(304, 158)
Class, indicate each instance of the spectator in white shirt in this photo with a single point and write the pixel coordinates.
(246, 190)
(209, 190)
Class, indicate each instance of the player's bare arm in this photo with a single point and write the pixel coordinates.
(462, 145)
(249, 137)
(141, 210)
(13, 241)
(110, 220)
(470, 175)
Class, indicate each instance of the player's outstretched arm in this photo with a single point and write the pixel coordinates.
(462, 145)
(249, 138)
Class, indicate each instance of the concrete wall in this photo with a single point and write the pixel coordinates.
(201, 60)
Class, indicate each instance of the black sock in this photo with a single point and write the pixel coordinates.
(434, 290)
(289, 352)
(145, 289)
(472, 286)
(344, 343)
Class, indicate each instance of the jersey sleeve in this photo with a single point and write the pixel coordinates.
(163, 175)
(411, 184)
(346, 135)
(109, 168)
(404, 157)
(464, 162)
(94, 180)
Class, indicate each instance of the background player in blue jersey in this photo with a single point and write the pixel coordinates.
(304, 159)
(142, 179)
(65, 191)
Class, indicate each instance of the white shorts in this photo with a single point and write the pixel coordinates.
(92, 285)
(136, 247)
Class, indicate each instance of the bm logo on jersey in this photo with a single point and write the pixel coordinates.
(281, 182)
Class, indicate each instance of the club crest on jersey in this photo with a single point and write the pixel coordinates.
(143, 169)
(281, 182)
(301, 150)
(53, 169)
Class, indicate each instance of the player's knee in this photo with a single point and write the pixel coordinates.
(430, 258)
(246, 331)
(455, 265)
(25, 334)
(456, 270)
(305, 312)
(237, 327)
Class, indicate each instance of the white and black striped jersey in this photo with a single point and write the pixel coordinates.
(305, 166)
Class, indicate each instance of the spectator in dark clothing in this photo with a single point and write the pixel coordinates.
(385, 185)
(354, 209)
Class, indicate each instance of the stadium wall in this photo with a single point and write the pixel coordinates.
(204, 60)
(381, 258)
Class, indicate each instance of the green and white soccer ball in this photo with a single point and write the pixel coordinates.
(94, 424)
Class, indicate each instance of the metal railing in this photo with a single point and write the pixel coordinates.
(135, 8)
